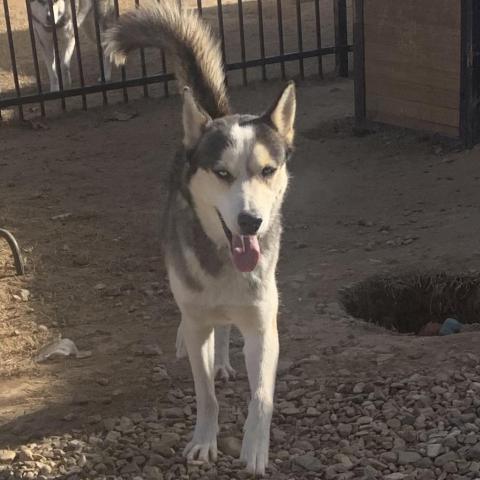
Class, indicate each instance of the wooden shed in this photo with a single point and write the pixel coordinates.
(417, 65)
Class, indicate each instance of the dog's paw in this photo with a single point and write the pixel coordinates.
(224, 372)
(201, 451)
(256, 439)
(255, 455)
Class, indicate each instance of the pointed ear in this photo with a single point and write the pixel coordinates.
(195, 120)
(282, 113)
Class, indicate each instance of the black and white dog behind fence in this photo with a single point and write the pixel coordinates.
(62, 21)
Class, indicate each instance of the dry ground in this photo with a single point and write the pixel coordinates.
(388, 201)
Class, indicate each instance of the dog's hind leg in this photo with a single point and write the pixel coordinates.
(199, 342)
(45, 46)
(67, 53)
(261, 356)
(223, 369)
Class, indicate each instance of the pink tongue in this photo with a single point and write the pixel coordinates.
(246, 252)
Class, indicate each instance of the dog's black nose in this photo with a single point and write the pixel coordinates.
(249, 224)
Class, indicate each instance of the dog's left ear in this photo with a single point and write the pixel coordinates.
(282, 113)
(195, 120)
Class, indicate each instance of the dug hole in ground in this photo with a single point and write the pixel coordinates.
(353, 401)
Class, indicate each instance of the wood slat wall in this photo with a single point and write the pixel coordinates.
(412, 63)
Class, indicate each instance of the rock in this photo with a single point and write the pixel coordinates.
(44, 468)
(152, 473)
(450, 467)
(7, 456)
(309, 462)
(112, 437)
(394, 423)
(408, 457)
(433, 450)
(304, 445)
(125, 425)
(231, 446)
(395, 476)
(344, 429)
(312, 412)
(131, 467)
(344, 460)
(170, 439)
(364, 420)
(445, 458)
(24, 295)
(474, 452)
(389, 457)
(25, 455)
(359, 387)
(173, 412)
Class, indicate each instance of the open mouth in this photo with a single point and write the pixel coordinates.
(245, 249)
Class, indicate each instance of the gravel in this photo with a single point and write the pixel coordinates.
(424, 426)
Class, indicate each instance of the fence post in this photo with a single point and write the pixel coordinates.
(359, 63)
(341, 37)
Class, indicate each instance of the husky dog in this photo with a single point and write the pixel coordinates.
(44, 23)
(223, 221)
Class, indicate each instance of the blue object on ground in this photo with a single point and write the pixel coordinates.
(450, 326)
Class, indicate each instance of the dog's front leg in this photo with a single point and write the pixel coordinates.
(199, 343)
(261, 357)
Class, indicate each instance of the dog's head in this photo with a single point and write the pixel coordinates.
(42, 14)
(238, 173)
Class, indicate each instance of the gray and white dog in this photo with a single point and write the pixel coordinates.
(223, 221)
(44, 23)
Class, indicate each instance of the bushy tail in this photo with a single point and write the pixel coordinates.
(186, 39)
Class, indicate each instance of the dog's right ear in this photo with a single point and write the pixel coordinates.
(195, 120)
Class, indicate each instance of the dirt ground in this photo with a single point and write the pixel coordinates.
(84, 199)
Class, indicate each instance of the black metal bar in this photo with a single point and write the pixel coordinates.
(341, 37)
(12, 56)
(221, 28)
(135, 82)
(466, 75)
(199, 7)
(359, 63)
(280, 37)
(17, 255)
(318, 32)
(33, 43)
(142, 60)
(122, 69)
(58, 67)
(78, 50)
(100, 54)
(476, 70)
(300, 38)
(166, 80)
(261, 35)
(242, 40)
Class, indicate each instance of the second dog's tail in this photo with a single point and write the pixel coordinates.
(188, 41)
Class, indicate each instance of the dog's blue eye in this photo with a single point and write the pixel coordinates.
(268, 172)
(223, 174)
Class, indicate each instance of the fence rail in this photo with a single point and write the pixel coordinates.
(254, 35)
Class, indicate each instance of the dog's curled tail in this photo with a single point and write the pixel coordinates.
(186, 39)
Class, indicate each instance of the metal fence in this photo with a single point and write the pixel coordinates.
(260, 39)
